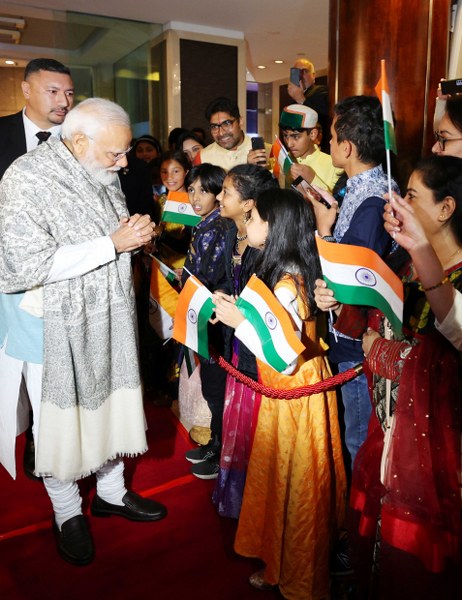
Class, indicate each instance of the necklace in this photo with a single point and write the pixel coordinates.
(241, 238)
(448, 260)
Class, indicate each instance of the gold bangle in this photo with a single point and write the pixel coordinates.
(434, 287)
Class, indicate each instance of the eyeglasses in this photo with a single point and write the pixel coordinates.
(113, 156)
(443, 141)
(225, 125)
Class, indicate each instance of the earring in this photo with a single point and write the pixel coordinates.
(246, 218)
(441, 217)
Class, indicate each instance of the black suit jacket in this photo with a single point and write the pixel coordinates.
(12, 140)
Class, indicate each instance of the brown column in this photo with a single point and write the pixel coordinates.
(412, 35)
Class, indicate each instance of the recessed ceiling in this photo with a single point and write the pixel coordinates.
(271, 30)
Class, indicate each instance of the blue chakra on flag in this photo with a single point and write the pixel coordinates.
(192, 315)
(366, 277)
(271, 320)
(153, 306)
(182, 207)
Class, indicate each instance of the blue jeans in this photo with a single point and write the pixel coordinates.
(357, 403)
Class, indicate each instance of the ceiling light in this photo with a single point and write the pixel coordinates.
(9, 62)
(261, 67)
(279, 62)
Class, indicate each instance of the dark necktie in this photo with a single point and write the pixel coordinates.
(42, 136)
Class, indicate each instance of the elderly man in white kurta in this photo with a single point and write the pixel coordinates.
(65, 240)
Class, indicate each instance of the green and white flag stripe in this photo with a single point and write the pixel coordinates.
(355, 284)
(167, 272)
(276, 344)
(180, 212)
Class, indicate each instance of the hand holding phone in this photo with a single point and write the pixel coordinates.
(307, 190)
(451, 86)
(295, 76)
(258, 143)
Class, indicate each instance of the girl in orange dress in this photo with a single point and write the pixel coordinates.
(294, 496)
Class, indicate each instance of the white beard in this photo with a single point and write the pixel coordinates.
(105, 176)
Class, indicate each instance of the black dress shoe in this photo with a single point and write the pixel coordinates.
(74, 541)
(135, 508)
(28, 462)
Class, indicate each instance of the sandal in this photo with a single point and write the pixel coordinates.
(257, 580)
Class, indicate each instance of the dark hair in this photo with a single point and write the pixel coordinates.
(360, 121)
(211, 177)
(454, 111)
(188, 135)
(200, 133)
(177, 155)
(249, 180)
(443, 176)
(173, 137)
(150, 140)
(290, 247)
(222, 105)
(45, 64)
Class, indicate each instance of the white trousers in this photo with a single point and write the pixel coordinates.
(65, 496)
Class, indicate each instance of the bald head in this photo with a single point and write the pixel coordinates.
(307, 72)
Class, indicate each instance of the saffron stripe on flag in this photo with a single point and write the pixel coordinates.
(177, 209)
(383, 93)
(163, 300)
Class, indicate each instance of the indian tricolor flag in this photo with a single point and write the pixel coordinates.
(163, 300)
(383, 93)
(178, 209)
(195, 307)
(272, 323)
(283, 161)
(358, 275)
(167, 272)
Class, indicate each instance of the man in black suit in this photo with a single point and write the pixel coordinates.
(49, 94)
(313, 95)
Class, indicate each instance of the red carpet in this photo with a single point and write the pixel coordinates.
(187, 555)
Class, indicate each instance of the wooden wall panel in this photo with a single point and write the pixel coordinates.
(207, 72)
(412, 35)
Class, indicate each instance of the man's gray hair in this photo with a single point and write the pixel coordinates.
(92, 115)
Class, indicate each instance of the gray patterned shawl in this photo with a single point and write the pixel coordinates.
(90, 367)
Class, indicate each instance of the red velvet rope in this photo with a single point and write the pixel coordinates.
(307, 390)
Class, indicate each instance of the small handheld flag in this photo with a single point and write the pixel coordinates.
(195, 307)
(167, 272)
(283, 160)
(359, 276)
(163, 300)
(271, 322)
(177, 209)
(381, 89)
(383, 93)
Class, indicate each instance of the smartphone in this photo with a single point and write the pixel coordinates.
(307, 190)
(295, 76)
(451, 86)
(258, 143)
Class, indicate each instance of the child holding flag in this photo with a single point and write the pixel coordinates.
(173, 237)
(295, 489)
(206, 260)
(240, 188)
